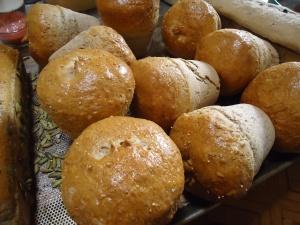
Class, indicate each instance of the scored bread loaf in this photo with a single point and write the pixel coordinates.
(15, 199)
(50, 27)
(237, 55)
(84, 86)
(185, 23)
(223, 148)
(276, 90)
(167, 87)
(99, 37)
(130, 172)
(276, 23)
(135, 20)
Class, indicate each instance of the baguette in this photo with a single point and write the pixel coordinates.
(14, 164)
(276, 23)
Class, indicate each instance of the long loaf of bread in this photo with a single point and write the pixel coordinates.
(276, 23)
(14, 164)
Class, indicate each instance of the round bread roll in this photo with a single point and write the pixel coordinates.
(84, 86)
(277, 91)
(135, 20)
(223, 148)
(122, 170)
(50, 27)
(166, 88)
(99, 37)
(237, 55)
(185, 23)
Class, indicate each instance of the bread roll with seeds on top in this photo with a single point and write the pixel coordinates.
(166, 88)
(237, 55)
(223, 148)
(84, 86)
(99, 37)
(122, 170)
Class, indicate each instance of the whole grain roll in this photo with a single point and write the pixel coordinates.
(135, 20)
(50, 27)
(185, 23)
(122, 170)
(223, 148)
(84, 86)
(99, 37)
(277, 91)
(166, 88)
(237, 55)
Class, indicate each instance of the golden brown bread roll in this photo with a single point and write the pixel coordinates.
(135, 20)
(99, 37)
(185, 23)
(76, 5)
(223, 148)
(15, 170)
(84, 86)
(122, 170)
(277, 91)
(166, 88)
(50, 27)
(237, 55)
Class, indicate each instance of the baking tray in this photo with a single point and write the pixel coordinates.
(191, 207)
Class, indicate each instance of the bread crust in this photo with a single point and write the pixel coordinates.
(50, 27)
(276, 23)
(166, 88)
(222, 148)
(99, 37)
(185, 23)
(84, 86)
(122, 170)
(237, 55)
(276, 91)
(14, 160)
(135, 20)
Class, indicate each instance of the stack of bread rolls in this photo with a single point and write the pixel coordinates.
(130, 170)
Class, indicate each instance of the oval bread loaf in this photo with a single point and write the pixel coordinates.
(166, 88)
(223, 148)
(237, 55)
(277, 91)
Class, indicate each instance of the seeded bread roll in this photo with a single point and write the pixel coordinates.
(166, 88)
(223, 148)
(50, 27)
(135, 20)
(84, 86)
(185, 23)
(76, 5)
(15, 198)
(237, 55)
(122, 170)
(277, 91)
(99, 37)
